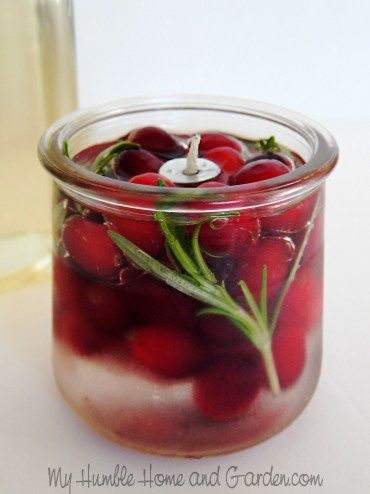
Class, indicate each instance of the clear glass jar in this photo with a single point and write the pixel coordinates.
(37, 86)
(187, 360)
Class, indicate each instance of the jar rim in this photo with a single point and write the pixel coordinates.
(75, 177)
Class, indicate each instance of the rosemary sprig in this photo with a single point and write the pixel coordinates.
(268, 145)
(196, 280)
(263, 296)
(193, 277)
(271, 146)
(207, 273)
(65, 148)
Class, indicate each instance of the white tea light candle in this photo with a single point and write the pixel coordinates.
(192, 169)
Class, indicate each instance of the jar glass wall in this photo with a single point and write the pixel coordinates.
(188, 321)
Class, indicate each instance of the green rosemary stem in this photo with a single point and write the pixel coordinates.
(270, 368)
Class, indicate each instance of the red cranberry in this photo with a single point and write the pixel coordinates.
(169, 351)
(227, 158)
(90, 247)
(150, 179)
(212, 185)
(219, 331)
(273, 156)
(151, 301)
(293, 219)
(211, 140)
(135, 162)
(104, 305)
(68, 284)
(221, 337)
(289, 352)
(302, 306)
(81, 334)
(145, 234)
(222, 266)
(229, 234)
(258, 171)
(273, 252)
(158, 141)
(228, 388)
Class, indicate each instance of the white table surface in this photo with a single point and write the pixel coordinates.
(330, 438)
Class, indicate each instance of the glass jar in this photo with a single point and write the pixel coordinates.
(37, 86)
(188, 321)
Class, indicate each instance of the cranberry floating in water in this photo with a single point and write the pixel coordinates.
(134, 162)
(90, 247)
(283, 158)
(168, 351)
(258, 171)
(227, 158)
(158, 141)
(211, 140)
(271, 150)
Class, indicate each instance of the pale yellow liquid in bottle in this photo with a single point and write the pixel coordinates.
(37, 85)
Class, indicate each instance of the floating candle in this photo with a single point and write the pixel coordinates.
(192, 169)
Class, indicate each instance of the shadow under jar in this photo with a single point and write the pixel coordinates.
(187, 321)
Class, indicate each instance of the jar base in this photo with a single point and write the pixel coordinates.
(175, 428)
(94, 426)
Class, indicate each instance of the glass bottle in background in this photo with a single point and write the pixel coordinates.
(37, 85)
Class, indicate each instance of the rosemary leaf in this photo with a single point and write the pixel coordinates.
(207, 273)
(263, 295)
(150, 265)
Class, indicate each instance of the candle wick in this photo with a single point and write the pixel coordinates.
(192, 158)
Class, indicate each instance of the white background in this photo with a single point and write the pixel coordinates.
(310, 56)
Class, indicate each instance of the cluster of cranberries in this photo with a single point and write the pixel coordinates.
(103, 304)
(156, 146)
